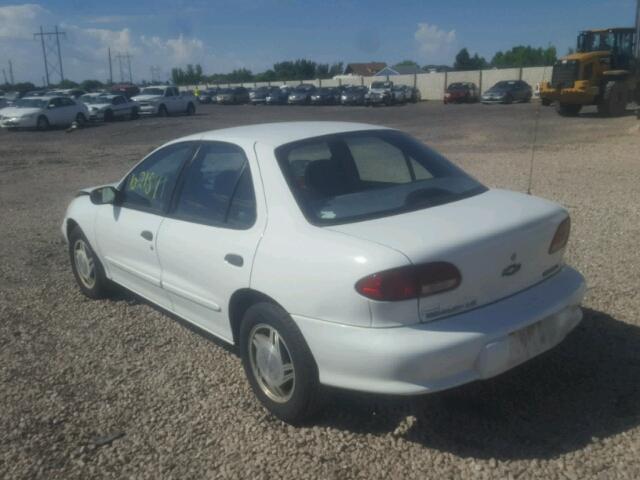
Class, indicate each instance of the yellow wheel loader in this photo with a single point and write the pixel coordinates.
(604, 71)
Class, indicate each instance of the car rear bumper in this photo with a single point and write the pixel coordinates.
(435, 356)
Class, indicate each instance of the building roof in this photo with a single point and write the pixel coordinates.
(399, 70)
(364, 69)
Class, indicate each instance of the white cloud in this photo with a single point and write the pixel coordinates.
(434, 44)
(84, 50)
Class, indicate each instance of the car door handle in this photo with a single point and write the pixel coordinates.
(234, 259)
(147, 235)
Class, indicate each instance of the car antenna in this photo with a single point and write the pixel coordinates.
(533, 149)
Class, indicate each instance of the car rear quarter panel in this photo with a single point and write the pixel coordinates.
(309, 270)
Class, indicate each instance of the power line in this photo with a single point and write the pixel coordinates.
(51, 52)
(124, 60)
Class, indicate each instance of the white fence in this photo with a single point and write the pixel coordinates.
(431, 85)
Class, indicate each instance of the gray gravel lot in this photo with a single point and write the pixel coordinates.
(118, 389)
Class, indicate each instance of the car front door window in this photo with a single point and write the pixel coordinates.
(150, 185)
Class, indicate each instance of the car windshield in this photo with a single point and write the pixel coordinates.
(457, 86)
(152, 91)
(381, 85)
(355, 176)
(30, 103)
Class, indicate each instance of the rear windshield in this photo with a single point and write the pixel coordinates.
(355, 176)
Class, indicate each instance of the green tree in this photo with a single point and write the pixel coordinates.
(407, 63)
(464, 61)
(91, 85)
(525, 56)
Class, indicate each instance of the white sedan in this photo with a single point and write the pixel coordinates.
(336, 254)
(108, 107)
(43, 112)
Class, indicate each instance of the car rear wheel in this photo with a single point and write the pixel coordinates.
(162, 111)
(86, 266)
(191, 109)
(278, 363)
(81, 120)
(43, 123)
(134, 114)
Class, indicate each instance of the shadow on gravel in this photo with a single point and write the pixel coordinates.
(584, 390)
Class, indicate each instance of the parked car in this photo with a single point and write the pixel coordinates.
(259, 95)
(325, 96)
(127, 89)
(380, 93)
(208, 96)
(68, 92)
(412, 94)
(353, 96)
(3, 102)
(457, 92)
(233, 96)
(398, 94)
(43, 112)
(508, 91)
(278, 96)
(301, 95)
(322, 265)
(109, 107)
(163, 100)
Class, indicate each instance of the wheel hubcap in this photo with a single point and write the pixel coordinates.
(271, 363)
(85, 265)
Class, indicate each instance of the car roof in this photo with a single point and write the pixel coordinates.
(280, 133)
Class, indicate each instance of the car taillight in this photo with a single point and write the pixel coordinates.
(561, 236)
(412, 281)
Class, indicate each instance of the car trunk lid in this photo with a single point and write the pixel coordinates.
(499, 241)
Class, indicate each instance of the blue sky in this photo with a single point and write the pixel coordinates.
(222, 35)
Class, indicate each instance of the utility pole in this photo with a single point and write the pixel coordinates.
(11, 72)
(110, 68)
(127, 58)
(50, 42)
(638, 30)
(4, 74)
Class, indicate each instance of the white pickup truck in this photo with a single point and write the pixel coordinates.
(163, 100)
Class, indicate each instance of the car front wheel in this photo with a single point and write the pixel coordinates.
(43, 123)
(278, 363)
(86, 266)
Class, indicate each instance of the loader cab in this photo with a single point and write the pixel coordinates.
(618, 41)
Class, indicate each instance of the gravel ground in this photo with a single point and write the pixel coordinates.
(118, 389)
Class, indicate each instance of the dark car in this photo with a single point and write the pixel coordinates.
(232, 96)
(353, 96)
(412, 94)
(459, 92)
(325, 96)
(508, 91)
(259, 95)
(208, 96)
(301, 95)
(278, 96)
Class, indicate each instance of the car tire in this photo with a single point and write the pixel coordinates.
(42, 123)
(134, 114)
(278, 363)
(86, 267)
(508, 100)
(81, 120)
(162, 111)
(546, 102)
(614, 99)
(191, 109)
(108, 116)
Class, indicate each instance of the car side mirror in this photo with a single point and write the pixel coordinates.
(104, 195)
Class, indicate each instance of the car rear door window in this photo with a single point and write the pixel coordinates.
(150, 185)
(217, 188)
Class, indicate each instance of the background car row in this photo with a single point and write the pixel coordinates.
(507, 91)
(308, 94)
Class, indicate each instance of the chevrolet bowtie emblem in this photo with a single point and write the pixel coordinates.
(511, 269)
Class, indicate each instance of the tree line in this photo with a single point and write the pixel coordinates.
(303, 69)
